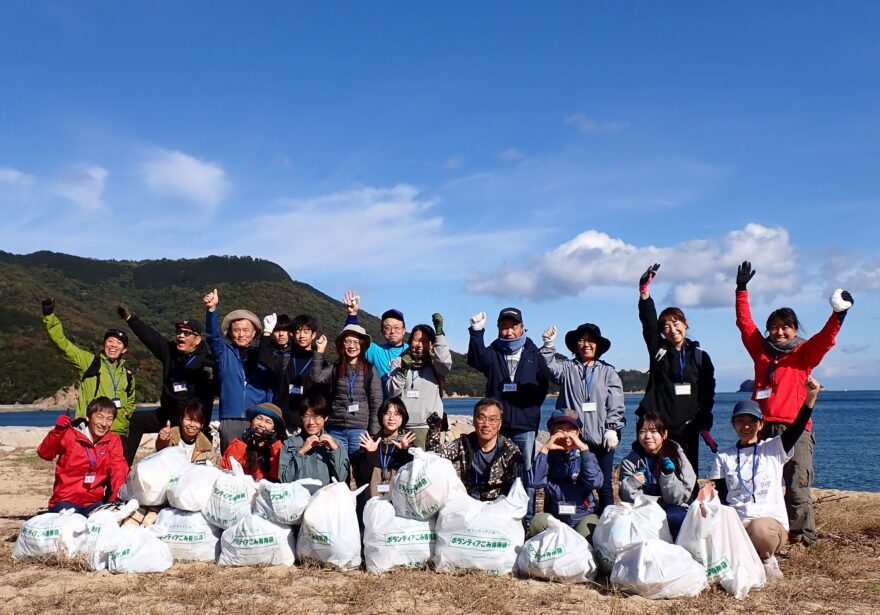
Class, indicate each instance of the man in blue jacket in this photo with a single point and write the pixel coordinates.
(517, 375)
(393, 330)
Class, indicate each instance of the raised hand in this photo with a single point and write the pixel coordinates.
(165, 432)
(63, 422)
(327, 440)
(405, 441)
(269, 322)
(352, 302)
(744, 274)
(406, 361)
(812, 385)
(123, 312)
(48, 306)
(549, 336)
(478, 321)
(211, 300)
(841, 300)
(647, 278)
(437, 319)
(367, 443)
(310, 443)
(321, 344)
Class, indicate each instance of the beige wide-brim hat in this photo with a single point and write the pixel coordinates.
(240, 315)
(359, 332)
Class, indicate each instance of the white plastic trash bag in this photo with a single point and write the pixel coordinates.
(254, 541)
(50, 535)
(391, 541)
(189, 536)
(231, 497)
(139, 549)
(626, 524)
(284, 503)
(148, 480)
(473, 535)
(330, 533)
(720, 543)
(423, 486)
(657, 569)
(102, 534)
(557, 553)
(191, 489)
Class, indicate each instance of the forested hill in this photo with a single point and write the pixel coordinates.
(161, 292)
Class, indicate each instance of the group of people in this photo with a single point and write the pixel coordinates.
(287, 412)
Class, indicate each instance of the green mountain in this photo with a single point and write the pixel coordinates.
(161, 292)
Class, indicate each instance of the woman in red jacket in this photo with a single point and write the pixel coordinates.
(258, 447)
(783, 362)
(91, 466)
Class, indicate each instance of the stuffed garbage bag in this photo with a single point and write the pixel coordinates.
(557, 553)
(254, 541)
(231, 497)
(423, 486)
(139, 549)
(191, 489)
(330, 533)
(50, 535)
(284, 503)
(658, 569)
(189, 536)
(625, 524)
(102, 533)
(391, 541)
(148, 480)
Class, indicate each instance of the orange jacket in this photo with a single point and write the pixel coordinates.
(238, 450)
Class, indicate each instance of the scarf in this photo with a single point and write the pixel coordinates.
(511, 346)
(773, 349)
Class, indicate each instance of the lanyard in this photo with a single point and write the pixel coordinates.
(352, 377)
(588, 382)
(681, 361)
(300, 372)
(573, 464)
(649, 478)
(478, 480)
(113, 379)
(92, 462)
(755, 460)
(385, 460)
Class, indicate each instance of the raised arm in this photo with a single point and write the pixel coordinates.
(554, 369)
(442, 356)
(478, 355)
(212, 325)
(352, 303)
(52, 445)
(76, 356)
(150, 338)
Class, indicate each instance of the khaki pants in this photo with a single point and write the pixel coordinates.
(768, 536)
(798, 477)
(584, 528)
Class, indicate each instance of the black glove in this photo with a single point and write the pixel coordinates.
(646, 278)
(123, 312)
(847, 297)
(744, 273)
(48, 306)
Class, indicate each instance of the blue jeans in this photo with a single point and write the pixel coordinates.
(349, 438)
(525, 441)
(57, 507)
(606, 464)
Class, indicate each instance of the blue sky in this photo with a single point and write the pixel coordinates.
(460, 157)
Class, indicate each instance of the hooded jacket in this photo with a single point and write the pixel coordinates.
(113, 380)
(674, 488)
(423, 382)
(77, 457)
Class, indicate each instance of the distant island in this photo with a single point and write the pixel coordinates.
(747, 386)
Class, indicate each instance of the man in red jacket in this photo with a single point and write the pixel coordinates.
(91, 466)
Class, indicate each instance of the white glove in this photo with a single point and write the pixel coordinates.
(549, 336)
(269, 322)
(478, 321)
(610, 441)
(838, 303)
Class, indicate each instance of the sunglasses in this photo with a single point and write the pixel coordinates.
(186, 332)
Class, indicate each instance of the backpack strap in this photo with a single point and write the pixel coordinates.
(93, 371)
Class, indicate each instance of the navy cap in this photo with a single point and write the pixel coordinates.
(395, 314)
(748, 406)
(512, 313)
(566, 418)
(189, 325)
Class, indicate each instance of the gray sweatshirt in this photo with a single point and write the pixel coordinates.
(419, 389)
(670, 487)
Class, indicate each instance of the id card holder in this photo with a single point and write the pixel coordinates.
(89, 478)
(588, 406)
(383, 488)
(412, 394)
(683, 388)
(292, 389)
(509, 387)
(763, 393)
(117, 402)
(180, 387)
(567, 509)
(352, 408)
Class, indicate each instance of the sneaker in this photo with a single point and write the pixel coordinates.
(771, 568)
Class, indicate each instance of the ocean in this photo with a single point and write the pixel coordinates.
(846, 455)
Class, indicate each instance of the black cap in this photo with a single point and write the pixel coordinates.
(189, 325)
(512, 313)
(395, 314)
(119, 334)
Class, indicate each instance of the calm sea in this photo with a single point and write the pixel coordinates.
(847, 453)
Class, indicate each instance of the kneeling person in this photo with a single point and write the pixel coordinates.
(189, 435)
(258, 447)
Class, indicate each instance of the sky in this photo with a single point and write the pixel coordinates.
(461, 157)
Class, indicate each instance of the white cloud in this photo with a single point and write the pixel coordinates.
(172, 173)
(511, 154)
(453, 163)
(587, 125)
(16, 178)
(84, 186)
(854, 348)
(853, 272)
(701, 272)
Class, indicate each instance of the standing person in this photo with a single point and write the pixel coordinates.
(355, 388)
(187, 377)
(591, 388)
(103, 374)
(386, 451)
(681, 384)
(312, 452)
(783, 362)
(417, 376)
(257, 449)
(658, 466)
(90, 467)
(393, 330)
(748, 475)
(189, 435)
(291, 367)
(486, 462)
(517, 376)
(568, 472)
(243, 381)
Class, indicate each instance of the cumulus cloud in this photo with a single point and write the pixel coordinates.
(587, 125)
(511, 154)
(15, 178)
(853, 272)
(700, 272)
(171, 173)
(84, 186)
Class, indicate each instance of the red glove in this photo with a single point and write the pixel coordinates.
(710, 442)
(63, 422)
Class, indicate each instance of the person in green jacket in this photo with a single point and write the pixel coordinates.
(104, 374)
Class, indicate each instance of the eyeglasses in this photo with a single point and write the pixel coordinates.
(185, 332)
(491, 420)
(393, 415)
(312, 418)
(392, 329)
(352, 343)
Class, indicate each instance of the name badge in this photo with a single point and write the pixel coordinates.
(567, 509)
(117, 402)
(588, 406)
(180, 387)
(509, 387)
(412, 394)
(353, 407)
(763, 394)
(89, 478)
(292, 389)
(383, 488)
(683, 389)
